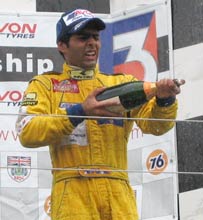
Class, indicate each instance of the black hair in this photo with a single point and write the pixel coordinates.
(65, 39)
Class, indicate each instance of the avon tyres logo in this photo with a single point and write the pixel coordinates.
(19, 167)
(157, 162)
(18, 31)
(11, 97)
(134, 46)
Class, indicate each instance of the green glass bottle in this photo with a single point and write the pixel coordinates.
(128, 95)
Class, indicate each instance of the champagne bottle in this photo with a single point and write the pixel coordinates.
(128, 95)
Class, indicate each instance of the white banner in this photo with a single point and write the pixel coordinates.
(28, 47)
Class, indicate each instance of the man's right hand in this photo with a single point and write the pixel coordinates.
(92, 107)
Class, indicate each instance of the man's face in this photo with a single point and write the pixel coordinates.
(83, 49)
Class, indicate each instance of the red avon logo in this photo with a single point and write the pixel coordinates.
(18, 28)
(13, 96)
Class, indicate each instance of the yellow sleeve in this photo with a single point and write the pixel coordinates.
(40, 121)
(152, 111)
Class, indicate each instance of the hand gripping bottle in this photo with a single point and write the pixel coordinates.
(128, 95)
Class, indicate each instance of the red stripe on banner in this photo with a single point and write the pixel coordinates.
(134, 68)
(151, 39)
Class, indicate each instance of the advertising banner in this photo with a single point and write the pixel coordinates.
(136, 42)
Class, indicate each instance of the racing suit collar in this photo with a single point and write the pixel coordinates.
(78, 73)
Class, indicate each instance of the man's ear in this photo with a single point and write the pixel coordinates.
(61, 46)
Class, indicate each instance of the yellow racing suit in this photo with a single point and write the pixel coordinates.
(92, 152)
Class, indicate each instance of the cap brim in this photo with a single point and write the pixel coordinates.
(94, 23)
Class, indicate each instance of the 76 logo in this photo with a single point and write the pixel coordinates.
(157, 162)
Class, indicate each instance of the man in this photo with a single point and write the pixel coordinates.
(89, 155)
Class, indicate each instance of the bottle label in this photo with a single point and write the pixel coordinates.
(116, 106)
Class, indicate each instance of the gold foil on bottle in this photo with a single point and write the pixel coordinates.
(149, 89)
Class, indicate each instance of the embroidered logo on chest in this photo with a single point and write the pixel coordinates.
(70, 86)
